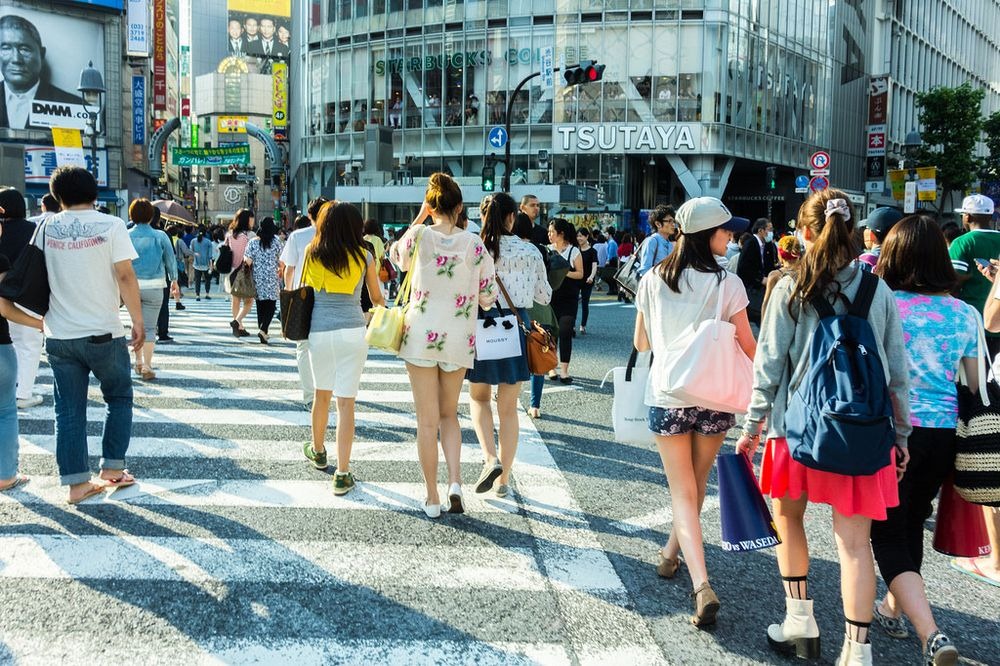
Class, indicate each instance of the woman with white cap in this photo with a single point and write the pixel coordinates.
(678, 293)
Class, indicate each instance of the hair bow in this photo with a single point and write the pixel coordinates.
(839, 207)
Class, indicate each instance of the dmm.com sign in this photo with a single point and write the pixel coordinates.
(211, 156)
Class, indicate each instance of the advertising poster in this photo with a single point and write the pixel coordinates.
(159, 55)
(138, 28)
(42, 79)
(279, 100)
(259, 32)
(238, 154)
(40, 162)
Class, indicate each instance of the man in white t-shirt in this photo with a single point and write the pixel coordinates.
(292, 257)
(89, 256)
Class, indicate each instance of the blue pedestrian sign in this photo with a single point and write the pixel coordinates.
(497, 138)
(802, 181)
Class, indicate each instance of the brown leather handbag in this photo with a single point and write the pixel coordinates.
(540, 344)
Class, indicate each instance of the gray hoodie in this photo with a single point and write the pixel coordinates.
(782, 339)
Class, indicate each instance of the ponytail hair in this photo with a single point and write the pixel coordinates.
(495, 209)
(828, 215)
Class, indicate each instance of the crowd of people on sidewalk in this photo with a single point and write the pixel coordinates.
(915, 314)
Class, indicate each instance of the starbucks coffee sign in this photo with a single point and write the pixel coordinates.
(441, 61)
(684, 138)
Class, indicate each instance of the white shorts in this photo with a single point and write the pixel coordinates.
(338, 359)
(443, 365)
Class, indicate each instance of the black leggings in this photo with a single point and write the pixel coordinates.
(898, 541)
(163, 320)
(585, 292)
(265, 313)
(199, 277)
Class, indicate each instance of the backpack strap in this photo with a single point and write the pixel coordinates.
(863, 299)
(822, 307)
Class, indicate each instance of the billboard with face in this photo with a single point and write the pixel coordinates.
(259, 31)
(39, 78)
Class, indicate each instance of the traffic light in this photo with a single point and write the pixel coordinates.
(588, 71)
(489, 178)
(772, 178)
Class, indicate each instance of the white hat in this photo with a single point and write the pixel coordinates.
(702, 213)
(976, 204)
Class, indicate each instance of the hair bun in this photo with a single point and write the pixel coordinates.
(443, 193)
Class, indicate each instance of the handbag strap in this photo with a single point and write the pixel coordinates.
(404, 290)
(981, 355)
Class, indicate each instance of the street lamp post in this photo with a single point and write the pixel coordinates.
(92, 89)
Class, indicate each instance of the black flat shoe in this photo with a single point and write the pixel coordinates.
(235, 325)
(566, 380)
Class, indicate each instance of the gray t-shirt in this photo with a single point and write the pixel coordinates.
(335, 312)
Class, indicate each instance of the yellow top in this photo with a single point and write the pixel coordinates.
(320, 278)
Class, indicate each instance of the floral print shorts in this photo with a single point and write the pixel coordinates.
(682, 420)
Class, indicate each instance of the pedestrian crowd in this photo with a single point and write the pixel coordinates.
(856, 381)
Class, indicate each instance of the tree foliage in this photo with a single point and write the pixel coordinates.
(951, 124)
(991, 129)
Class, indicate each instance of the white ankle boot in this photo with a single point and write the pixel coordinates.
(798, 635)
(855, 654)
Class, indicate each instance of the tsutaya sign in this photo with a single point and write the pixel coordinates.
(622, 137)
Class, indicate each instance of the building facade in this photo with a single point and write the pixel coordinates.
(697, 97)
(56, 40)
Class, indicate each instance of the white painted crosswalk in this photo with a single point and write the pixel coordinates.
(233, 549)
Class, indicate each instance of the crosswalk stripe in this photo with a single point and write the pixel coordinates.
(247, 449)
(151, 390)
(257, 376)
(254, 560)
(240, 417)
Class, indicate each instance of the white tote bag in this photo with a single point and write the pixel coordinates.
(497, 337)
(629, 413)
(705, 366)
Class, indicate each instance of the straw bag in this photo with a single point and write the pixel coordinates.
(385, 331)
(977, 436)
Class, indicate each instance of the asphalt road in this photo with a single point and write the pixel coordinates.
(233, 550)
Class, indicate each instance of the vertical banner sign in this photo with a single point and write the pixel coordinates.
(279, 100)
(138, 28)
(878, 117)
(138, 109)
(69, 147)
(195, 128)
(185, 107)
(548, 66)
(159, 55)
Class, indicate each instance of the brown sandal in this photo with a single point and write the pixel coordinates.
(706, 606)
(667, 567)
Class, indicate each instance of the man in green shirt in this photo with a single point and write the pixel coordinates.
(981, 242)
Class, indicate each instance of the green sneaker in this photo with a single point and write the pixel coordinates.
(343, 483)
(317, 459)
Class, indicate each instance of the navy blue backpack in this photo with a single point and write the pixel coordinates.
(839, 417)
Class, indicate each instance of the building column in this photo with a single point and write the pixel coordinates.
(699, 175)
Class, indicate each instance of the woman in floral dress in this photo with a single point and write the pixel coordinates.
(452, 277)
(262, 255)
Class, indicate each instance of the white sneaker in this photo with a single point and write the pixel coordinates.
(456, 503)
(28, 403)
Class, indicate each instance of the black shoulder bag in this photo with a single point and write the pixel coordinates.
(27, 281)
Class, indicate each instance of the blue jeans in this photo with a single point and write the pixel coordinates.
(537, 382)
(8, 412)
(72, 361)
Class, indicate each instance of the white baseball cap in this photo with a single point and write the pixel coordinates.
(702, 213)
(976, 204)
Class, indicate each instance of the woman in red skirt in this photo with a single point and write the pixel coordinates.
(827, 270)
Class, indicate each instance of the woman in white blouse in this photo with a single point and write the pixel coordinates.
(521, 270)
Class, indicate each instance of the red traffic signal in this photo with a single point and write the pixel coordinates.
(587, 71)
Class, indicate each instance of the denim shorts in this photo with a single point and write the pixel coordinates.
(682, 420)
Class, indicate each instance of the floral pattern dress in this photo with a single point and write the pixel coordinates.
(265, 268)
(452, 277)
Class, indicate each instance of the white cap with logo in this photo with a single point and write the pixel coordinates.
(976, 204)
(702, 213)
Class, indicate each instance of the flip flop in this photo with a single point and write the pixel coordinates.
(94, 490)
(969, 567)
(123, 481)
(19, 480)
